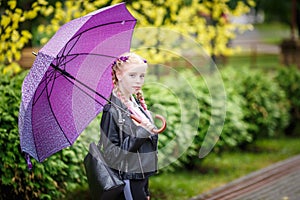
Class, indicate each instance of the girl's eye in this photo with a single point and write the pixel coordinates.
(132, 75)
(142, 76)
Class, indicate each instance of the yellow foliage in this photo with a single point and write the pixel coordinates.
(136, 5)
(30, 14)
(43, 2)
(15, 36)
(5, 20)
(44, 41)
(58, 5)
(12, 4)
(13, 67)
(41, 29)
(251, 3)
(26, 34)
(12, 39)
(207, 21)
(48, 11)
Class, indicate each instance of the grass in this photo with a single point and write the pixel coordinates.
(273, 33)
(263, 61)
(267, 33)
(218, 169)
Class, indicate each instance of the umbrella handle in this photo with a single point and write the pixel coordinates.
(163, 127)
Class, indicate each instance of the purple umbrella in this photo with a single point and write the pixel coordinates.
(70, 80)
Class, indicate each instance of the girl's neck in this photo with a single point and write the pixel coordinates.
(124, 97)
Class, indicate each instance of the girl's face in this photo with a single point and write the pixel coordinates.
(132, 78)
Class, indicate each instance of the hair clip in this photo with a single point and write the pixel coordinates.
(123, 58)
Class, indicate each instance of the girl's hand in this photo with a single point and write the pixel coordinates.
(147, 125)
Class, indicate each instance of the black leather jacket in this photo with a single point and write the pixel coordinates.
(134, 154)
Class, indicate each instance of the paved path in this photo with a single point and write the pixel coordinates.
(280, 181)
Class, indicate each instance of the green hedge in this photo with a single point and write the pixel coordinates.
(289, 80)
(256, 106)
(170, 98)
(266, 105)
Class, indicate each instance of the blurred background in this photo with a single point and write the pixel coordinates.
(252, 46)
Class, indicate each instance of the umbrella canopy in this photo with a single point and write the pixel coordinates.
(58, 101)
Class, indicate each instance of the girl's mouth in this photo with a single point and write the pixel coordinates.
(136, 87)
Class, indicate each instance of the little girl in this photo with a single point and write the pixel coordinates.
(130, 148)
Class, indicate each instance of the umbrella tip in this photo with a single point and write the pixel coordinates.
(34, 53)
(29, 164)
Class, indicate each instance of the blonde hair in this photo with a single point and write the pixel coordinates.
(126, 60)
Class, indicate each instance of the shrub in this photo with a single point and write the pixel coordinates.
(165, 99)
(235, 131)
(255, 107)
(186, 102)
(289, 81)
(233, 128)
(51, 179)
(266, 106)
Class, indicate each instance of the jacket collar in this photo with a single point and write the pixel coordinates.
(117, 101)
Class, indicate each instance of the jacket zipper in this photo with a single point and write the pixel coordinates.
(141, 164)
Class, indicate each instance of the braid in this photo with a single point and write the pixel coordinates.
(117, 89)
(114, 78)
(140, 97)
(115, 67)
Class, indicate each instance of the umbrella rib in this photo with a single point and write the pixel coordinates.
(49, 76)
(48, 98)
(117, 22)
(80, 34)
(47, 80)
(49, 103)
(54, 76)
(64, 58)
(65, 47)
(79, 54)
(66, 74)
(83, 90)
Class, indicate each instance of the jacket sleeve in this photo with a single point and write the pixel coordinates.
(113, 148)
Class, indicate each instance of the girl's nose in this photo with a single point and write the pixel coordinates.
(140, 80)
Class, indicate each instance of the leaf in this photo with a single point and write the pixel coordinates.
(26, 34)
(43, 2)
(31, 14)
(5, 20)
(12, 4)
(15, 36)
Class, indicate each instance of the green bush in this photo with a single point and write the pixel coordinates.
(233, 129)
(266, 105)
(289, 80)
(186, 102)
(176, 141)
(51, 179)
(255, 107)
